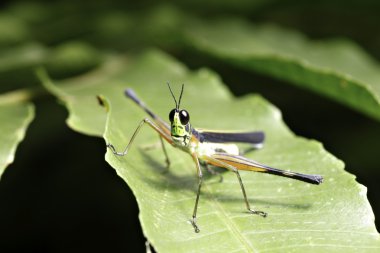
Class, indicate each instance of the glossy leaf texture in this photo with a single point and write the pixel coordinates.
(15, 119)
(338, 69)
(334, 216)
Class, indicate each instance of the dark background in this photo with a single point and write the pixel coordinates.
(61, 196)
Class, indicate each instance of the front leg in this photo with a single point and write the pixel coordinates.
(167, 160)
(161, 132)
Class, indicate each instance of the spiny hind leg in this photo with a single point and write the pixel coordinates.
(223, 164)
(261, 213)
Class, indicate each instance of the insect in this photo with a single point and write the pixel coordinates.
(207, 147)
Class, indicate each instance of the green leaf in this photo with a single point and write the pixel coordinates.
(67, 59)
(15, 119)
(334, 216)
(337, 68)
(86, 116)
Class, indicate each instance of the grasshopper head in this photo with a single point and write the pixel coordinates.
(179, 123)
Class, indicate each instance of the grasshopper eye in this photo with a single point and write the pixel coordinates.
(184, 117)
(171, 115)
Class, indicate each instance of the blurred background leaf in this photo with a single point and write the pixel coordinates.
(337, 69)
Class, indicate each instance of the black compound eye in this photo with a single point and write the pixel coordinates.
(171, 115)
(184, 117)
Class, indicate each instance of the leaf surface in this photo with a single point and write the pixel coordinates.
(15, 119)
(338, 69)
(334, 216)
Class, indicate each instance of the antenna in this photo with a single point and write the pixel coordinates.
(180, 96)
(176, 105)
